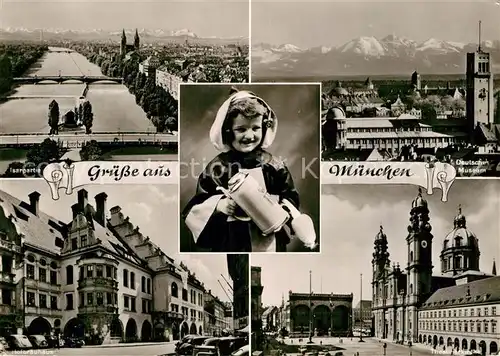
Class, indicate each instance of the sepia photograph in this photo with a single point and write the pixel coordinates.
(98, 270)
(401, 82)
(408, 274)
(99, 80)
(249, 184)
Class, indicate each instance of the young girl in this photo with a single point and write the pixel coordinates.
(243, 128)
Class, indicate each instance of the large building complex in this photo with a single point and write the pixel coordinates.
(456, 309)
(95, 276)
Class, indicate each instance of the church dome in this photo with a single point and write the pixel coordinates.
(336, 113)
(419, 201)
(460, 236)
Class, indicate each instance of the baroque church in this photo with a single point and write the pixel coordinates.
(455, 310)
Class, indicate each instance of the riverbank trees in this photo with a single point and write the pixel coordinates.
(15, 60)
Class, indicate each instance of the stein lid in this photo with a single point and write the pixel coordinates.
(236, 181)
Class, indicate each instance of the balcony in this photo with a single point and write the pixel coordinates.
(97, 309)
(34, 310)
(97, 282)
(6, 309)
(9, 246)
(36, 284)
(7, 277)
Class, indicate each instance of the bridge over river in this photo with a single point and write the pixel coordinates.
(61, 79)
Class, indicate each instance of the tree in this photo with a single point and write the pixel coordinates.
(54, 117)
(88, 117)
(46, 152)
(90, 151)
(5, 73)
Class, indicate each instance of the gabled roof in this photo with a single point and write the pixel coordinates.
(41, 231)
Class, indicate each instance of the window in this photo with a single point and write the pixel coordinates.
(42, 275)
(132, 280)
(74, 243)
(485, 327)
(69, 274)
(80, 273)
(99, 298)
(81, 299)
(99, 271)
(478, 325)
(109, 272)
(143, 284)
(53, 302)
(184, 295)
(53, 277)
(69, 301)
(42, 301)
(83, 241)
(109, 298)
(144, 310)
(472, 312)
(148, 289)
(485, 311)
(125, 302)
(493, 327)
(90, 298)
(125, 278)
(90, 271)
(493, 310)
(132, 304)
(30, 271)
(30, 299)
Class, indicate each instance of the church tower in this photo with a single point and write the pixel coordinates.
(460, 249)
(419, 269)
(380, 264)
(137, 41)
(416, 81)
(479, 99)
(123, 46)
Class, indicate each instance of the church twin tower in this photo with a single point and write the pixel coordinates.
(398, 294)
(124, 48)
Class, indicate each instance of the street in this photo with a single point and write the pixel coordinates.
(153, 349)
(370, 347)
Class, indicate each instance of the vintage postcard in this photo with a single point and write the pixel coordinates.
(86, 81)
(99, 267)
(402, 81)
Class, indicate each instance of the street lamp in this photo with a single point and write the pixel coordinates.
(310, 310)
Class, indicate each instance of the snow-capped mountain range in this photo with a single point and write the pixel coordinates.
(146, 35)
(366, 55)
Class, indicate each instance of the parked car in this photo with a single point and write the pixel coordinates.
(188, 347)
(38, 341)
(19, 342)
(183, 341)
(53, 341)
(73, 342)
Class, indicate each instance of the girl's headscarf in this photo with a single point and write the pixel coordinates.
(216, 129)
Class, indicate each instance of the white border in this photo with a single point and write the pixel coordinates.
(229, 85)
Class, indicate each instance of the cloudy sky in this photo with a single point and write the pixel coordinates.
(333, 22)
(221, 18)
(351, 216)
(152, 208)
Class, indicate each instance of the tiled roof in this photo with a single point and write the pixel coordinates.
(41, 231)
(485, 290)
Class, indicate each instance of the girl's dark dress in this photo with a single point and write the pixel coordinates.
(214, 230)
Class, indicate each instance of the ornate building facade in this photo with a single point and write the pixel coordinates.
(94, 277)
(405, 299)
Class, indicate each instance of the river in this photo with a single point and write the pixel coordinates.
(113, 106)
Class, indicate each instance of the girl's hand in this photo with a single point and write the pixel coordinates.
(226, 206)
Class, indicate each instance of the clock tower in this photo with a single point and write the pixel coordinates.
(479, 98)
(419, 268)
